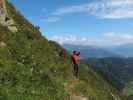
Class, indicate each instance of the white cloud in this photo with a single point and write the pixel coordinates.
(109, 9)
(71, 9)
(71, 39)
(107, 39)
(118, 38)
(51, 19)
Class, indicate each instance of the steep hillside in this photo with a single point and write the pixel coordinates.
(118, 71)
(33, 68)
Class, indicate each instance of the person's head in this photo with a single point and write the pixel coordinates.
(74, 52)
(78, 53)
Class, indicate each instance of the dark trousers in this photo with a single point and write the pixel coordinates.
(76, 69)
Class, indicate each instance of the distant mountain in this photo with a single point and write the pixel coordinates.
(90, 51)
(125, 50)
(118, 71)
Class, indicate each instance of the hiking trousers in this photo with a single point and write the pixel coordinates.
(76, 69)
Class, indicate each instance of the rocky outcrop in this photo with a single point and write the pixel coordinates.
(5, 19)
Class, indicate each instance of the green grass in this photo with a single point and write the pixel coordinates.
(32, 68)
(93, 86)
(128, 90)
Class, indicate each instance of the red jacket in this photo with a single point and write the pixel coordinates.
(75, 59)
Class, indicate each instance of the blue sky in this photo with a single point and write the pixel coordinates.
(85, 22)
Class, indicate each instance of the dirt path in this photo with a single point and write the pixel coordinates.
(70, 89)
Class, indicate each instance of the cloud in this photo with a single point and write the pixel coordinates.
(118, 38)
(107, 9)
(51, 19)
(71, 39)
(70, 9)
(107, 39)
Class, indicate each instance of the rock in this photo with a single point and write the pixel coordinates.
(5, 20)
(2, 44)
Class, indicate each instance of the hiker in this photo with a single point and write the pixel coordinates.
(75, 61)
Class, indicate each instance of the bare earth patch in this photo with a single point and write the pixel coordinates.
(69, 87)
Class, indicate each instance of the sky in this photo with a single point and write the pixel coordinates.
(83, 22)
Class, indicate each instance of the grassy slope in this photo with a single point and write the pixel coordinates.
(128, 90)
(32, 69)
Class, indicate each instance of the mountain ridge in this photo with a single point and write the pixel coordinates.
(123, 50)
(91, 51)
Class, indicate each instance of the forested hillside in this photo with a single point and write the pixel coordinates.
(118, 71)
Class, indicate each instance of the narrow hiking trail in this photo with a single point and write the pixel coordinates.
(69, 87)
